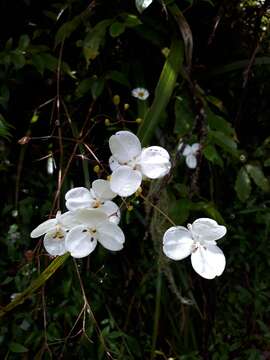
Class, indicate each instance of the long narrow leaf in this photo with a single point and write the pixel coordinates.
(163, 92)
(36, 284)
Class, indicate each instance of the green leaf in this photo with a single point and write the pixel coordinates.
(97, 87)
(179, 211)
(17, 348)
(258, 177)
(94, 40)
(217, 122)
(209, 209)
(242, 185)
(116, 29)
(211, 154)
(118, 77)
(69, 27)
(4, 128)
(131, 20)
(184, 116)
(163, 92)
(225, 142)
(36, 284)
(24, 42)
(141, 5)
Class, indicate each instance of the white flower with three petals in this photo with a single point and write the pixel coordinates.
(130, 163)
(98, 197)
(199, 241)
(190, 152)
(93, 227)
(140, 93)
(55, 231)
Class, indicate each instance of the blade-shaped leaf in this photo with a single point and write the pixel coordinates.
(163, 92)
(36, 284)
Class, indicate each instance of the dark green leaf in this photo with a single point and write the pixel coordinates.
(117, 28)
(94, 40)
(184, 116)
(258, 177)
(163, 92)
(242, 185)
(17, 348)
(211, 154)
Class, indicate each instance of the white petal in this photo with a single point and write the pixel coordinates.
(125, 181)
(43, 228)
(191, 161)
(79, 242)
(124, 146)
(195, 147)
(208, 229)
(68, 220)
(155, 162)
(112, 211)
(113, 162)
(177, 243)
(54, 245)
(110, 236)
(187, 150)
(78, 198)
(90, 217)
(208, 262)
(103, 190)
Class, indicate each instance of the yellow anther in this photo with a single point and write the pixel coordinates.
(109, 177)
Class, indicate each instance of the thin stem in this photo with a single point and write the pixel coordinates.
(158, 209)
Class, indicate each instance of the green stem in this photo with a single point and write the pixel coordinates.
(36, 284)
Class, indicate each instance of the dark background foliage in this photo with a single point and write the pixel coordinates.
(61, 67)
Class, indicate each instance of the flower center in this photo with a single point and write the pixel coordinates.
(58, 235)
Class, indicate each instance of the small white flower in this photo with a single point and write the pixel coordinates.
(129, 163)
(93, 227)
(98, 197)
(190, 153)
(140, 93)
(199, 241)
(55, 231)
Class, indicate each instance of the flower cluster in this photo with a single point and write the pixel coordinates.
(93, 217)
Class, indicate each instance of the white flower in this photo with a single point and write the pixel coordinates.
(190, 153)
(55, 231)
(129, 163)
(99, 196)
(199, 241)
(93, 227)
(140, 93)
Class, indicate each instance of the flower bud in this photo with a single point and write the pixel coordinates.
(116, 99)
(96, 169)
(126, 106)
(138, 120)
(107, 122)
